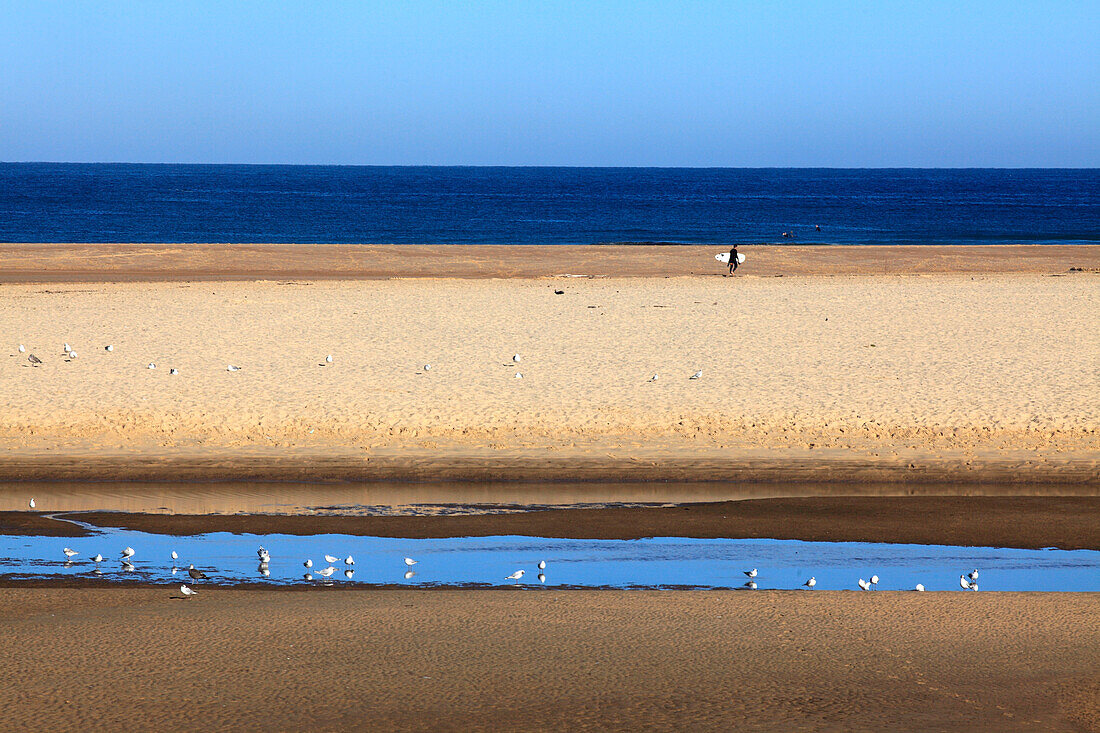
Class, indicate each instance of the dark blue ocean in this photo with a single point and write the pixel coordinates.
(47, 202)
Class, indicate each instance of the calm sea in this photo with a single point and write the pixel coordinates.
(44, 202)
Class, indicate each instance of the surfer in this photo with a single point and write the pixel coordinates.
(733, 259)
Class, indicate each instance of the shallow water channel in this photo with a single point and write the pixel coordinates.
(660, 562)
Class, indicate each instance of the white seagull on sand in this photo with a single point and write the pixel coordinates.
(515, 576)
(810, 583)
(516, 359)
(519, 375)
(108, 347)
(173, 370)
(653, 378)
(22, 349)
(66, 349)
(427, 367)
(328, 359)
(34, 359)
(187, 591)
(32, 502)
(232, 368)
(151, 366)
(410, 562)
(920, 587)
(697, 375)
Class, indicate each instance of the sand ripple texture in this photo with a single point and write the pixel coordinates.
(948, 364)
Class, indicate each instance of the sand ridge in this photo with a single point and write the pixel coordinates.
(904, 372)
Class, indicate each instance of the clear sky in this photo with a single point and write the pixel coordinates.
(845, 84)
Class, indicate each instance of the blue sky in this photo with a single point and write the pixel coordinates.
(847, 84)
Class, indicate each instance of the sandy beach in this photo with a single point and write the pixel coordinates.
(139, 659)
(975, 372)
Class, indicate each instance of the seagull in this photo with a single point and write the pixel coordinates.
(98, 558)
(173, 371)
(32, 502)
(127, 553)
(427, 367)
(72, 354)
(69, 553)
(864, 585)
(196, 574)
(151, 366)
(874, 580)
(410, 562)
(519, 375)
(751, 585)
(349, 573)
(66, 348)
(187, 591)
(750, 573)
(515, 358)
(653, 378)
(232, 368)
(409, 574)
(810, 583)
(108, 347)
(328, 359)
(264, 555)
(973, 575)
(308, 563)
(542, 565)
(326, 572)
(542, 577)
(22, 349)
(920, 587)
(330, 559)
(175, 555)
(515, 576)
(349, 560)
(967, 584)
(697, 375)
(34, 359)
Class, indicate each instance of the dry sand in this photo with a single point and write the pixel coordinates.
(137, 659)
(936, 378)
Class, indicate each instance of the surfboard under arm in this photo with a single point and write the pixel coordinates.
(724, 257)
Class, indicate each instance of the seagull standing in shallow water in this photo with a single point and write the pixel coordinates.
(196, 574)
(973, 575)
(410, 562)
(330, 559)
(874, 581)
(810, 583)
(98, 558)
(864, 585)
(308, 563)
(750, 573)
(516, 576)
(967, 584)
(127, 553)
(69, 553)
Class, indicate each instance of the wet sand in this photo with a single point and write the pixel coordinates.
(1069, 523)
(218, 262)
(140, 659)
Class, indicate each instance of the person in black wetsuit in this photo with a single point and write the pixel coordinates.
(733, 259)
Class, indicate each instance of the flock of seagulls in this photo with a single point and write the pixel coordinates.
(70, 354)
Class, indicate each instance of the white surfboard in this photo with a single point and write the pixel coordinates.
(724, 258)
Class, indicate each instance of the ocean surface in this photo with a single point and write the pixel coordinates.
(49, 202)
